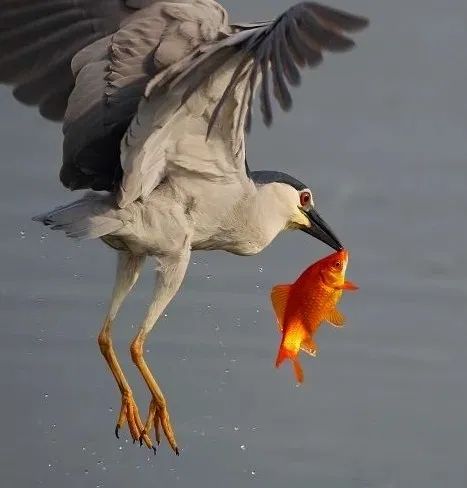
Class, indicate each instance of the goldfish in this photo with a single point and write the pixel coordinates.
(302, 306)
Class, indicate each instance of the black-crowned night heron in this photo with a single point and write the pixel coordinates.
(156, 98)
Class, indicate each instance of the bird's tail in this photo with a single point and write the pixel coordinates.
(92, 216)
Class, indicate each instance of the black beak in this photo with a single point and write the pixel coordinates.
(319, 229)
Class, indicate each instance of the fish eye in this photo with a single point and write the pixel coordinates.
(338, 264)
(305, 199)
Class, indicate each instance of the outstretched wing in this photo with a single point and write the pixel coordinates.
(39, 38)
(297, 38)
(110, 79)
(192, 120)
(88, 62)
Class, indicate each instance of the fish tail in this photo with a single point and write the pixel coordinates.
(298, 370)
(282, 355)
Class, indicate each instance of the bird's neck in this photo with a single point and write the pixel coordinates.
(257, 220)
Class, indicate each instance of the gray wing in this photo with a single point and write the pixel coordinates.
(85, 61)
(190, 126)
(276, 50)
(110, 78)
(39, 39)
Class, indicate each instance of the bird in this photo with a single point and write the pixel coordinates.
(156, 100)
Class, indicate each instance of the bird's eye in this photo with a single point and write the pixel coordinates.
(305, 199)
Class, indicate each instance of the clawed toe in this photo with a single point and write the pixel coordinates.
(129, 413)
(158, 417)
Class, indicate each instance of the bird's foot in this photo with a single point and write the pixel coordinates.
(158, 417)
(129, 413)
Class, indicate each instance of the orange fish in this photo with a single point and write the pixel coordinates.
(300, 307)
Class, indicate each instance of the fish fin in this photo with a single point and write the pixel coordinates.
(348, 285)
(298, 370)
(336, 318)
(279, 298)
(282, 355)
(309, 346)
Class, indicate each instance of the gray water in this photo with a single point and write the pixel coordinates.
(380, 135)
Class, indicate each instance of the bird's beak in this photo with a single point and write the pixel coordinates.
(320, 229)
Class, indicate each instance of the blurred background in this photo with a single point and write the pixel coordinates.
(380, 136)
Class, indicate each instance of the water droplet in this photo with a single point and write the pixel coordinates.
(111, 409)
(226, 371)
(86, 471)
(46, 395)
(83, 449)
(22, 234)
(236, 428)
(208, 277)
(243, 447)
(260, 269)
(253, 473)
(120, 448)
(257, 285)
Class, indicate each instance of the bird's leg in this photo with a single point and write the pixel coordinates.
(170, 275)
(128, 270)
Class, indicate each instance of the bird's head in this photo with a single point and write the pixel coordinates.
(293, 204)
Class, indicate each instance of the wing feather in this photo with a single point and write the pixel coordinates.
(300, 35)
(42, 36)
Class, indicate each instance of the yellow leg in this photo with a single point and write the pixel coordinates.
(128, 270)
(129, 410)
(158, 415)
(170, 274)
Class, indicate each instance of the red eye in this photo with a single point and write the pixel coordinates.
(305, 199)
